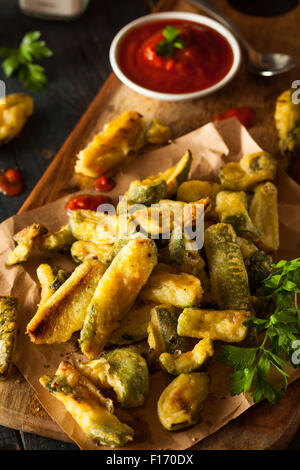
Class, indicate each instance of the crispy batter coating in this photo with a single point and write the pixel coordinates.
(15, 109)
(88, 407)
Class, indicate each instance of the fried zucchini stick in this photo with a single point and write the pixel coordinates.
(116, 293)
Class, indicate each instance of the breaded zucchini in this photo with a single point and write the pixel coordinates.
(193, 190)
(134, 325)
(164, 184)
(83, 250)
(287, 120)
(50, 280)
(192, 263)
(148, 191)
(162, 331)
(119, 138)
(46, 277)
(167, 215)
(125, 371)
(91, 226)
(247, 247)
(116, 293)
(259, 266)
(253, 168)
(223, 325)
(178, 289)
(15, 109)
(157, 133)
(184, 363)
(57, 241)
(228, 275)
(64, 312)
(88, 407)
(231, 207)
(8, 332)
(264, 213)
(176, 247)
(181, 402)
(25, 240)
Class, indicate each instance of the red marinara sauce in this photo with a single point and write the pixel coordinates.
(86, 202)
(246, 116)
(203, 61)
(11, 182)
(104, 184)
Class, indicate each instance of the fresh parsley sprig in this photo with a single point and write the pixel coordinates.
(252, 365)
(172, 40)
(21, 61)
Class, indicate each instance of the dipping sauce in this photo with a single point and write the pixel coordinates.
(86, 202)
(246, 116)
(104, 184)
(11, 182)
(205, 58)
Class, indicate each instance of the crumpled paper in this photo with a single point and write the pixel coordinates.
(212, 146)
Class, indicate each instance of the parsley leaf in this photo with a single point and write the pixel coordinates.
(172, 40)
(21, 61)
(239, 357)
(252, 365)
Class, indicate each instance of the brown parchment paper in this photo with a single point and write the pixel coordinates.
(212, 146)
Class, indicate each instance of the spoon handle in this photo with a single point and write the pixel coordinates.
(210, 8)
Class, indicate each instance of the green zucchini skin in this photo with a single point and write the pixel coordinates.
(176, 247)
(259, 266)
(264, 213)
(60, 277)
(131, 372)
(231, 207)
(229, 280)
(58, 241)
(147, 191)
(179, 175)
(125, 371)
(162, 331)
(8, 331)
(165, 184)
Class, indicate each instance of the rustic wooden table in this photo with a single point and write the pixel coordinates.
(76, 71)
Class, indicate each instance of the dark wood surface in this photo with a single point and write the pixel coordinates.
(76, 72)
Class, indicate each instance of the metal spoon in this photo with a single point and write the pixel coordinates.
(259, 64)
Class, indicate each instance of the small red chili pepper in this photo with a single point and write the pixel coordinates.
(104, 184)
(86, 202)
(246, 116)
(11, 182)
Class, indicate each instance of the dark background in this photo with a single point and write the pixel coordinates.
(76, 71)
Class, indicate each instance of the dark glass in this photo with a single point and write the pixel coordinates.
(264, 7)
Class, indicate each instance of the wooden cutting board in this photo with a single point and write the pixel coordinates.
(263, 426)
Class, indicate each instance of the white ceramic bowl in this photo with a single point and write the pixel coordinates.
(113, 55)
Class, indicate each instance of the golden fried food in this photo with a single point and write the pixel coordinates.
(65, 310)
(181, 402)
(88, 407)
(15, 109)
(116, 293)
(287, 120)
(8, 332)
(119, 138)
